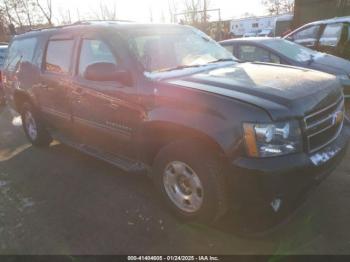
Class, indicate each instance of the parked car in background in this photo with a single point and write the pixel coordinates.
(212, 133)
(3, 54)
(280, 51)
(330, 36)
(251, 34)
(266, 32)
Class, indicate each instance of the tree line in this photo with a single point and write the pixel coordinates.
(24, 15)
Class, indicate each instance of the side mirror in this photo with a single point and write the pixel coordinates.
(103, 71)
(290, 38)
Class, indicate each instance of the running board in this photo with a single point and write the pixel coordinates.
(126, 164)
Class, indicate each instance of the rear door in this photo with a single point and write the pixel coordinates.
(55, 80)
(330, 38)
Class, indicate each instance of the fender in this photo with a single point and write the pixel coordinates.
(166, 124)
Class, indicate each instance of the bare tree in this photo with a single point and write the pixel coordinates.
(65, 17)
(276, 7)
(106, 11)
(46, 10)
(248, 14)
(192, 7)
(172, 9)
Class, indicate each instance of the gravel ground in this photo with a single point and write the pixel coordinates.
(59, 201)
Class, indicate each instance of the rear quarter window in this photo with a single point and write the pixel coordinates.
(20, 51)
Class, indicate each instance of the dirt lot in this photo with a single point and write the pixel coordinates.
(59, 201)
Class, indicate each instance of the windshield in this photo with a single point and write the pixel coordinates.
(291, 50)
(171, 48)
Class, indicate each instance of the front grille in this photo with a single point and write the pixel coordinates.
(324, 126)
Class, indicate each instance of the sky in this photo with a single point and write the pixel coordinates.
(139, 10)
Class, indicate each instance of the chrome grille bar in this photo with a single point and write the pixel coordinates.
(315, 129)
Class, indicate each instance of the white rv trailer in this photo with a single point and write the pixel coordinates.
(254, 25)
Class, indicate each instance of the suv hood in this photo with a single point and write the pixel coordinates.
(282, 91)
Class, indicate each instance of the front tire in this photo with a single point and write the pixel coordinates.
(34, 127)
(191, 180)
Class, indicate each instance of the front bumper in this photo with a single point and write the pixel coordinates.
(259, 182)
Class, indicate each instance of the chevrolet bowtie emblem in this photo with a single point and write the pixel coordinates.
(337, 117)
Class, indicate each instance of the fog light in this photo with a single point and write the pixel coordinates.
(276, 204)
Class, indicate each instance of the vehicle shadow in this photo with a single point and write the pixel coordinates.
(95, 205)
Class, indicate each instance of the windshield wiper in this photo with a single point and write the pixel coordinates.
(223, 60)
(178, 68)
(194, 66)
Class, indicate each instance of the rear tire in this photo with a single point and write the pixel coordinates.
(34, 127)
(191, 181)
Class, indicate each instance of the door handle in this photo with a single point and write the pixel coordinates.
(78, 91)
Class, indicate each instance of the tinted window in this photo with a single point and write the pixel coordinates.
(229, 48)
(331, 35)
(253, 53)
(291, 50)
(58, 56)
(3, 53)
(93, 51)
(20, 51)
(308, 35)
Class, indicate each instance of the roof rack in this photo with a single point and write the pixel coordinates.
(83, 22)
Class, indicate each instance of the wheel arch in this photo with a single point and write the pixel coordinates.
(153, 136)
(20, 97)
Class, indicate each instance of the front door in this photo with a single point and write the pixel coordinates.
(307, 36)
(105, 112)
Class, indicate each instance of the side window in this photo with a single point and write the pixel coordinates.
(331, 35)
(275, 59)
(3, 53)
(307, 36)
(229, 48)
(58, 56)
(253, 53)
(93, 51)
(20, 51)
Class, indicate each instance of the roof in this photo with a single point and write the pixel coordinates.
(343, 19)
(82, 25)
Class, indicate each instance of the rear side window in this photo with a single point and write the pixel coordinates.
(252, 53)
(58, 56)
(331, 35)
(20, 51)
(3, 53)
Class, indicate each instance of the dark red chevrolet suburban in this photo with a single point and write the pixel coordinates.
(167, 101)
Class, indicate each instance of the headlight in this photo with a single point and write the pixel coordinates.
(267, 140)
(344, 80)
